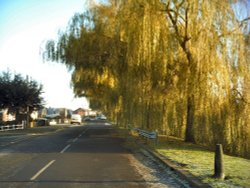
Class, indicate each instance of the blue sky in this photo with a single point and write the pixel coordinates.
(25, 25)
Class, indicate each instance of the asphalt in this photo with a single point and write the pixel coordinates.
(35, 130)
(92, 155)
(8, 138)
(80, 156)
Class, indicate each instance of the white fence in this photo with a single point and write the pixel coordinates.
(12, 127)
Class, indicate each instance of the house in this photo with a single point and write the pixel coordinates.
(5, 116)
(59, 115)
(82, 112)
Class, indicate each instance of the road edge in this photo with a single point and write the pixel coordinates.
(191, 179)
(184, 174)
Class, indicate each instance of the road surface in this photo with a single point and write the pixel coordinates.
(78, 156)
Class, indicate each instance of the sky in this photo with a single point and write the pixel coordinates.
(25, 25)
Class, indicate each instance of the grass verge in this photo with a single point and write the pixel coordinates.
(200, 162)
(196, 159)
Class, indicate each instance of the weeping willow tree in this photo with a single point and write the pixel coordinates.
(90, 48)
(199, 51)
(179, 67)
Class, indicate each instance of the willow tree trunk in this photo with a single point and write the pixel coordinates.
(191, 82)
(189, 134)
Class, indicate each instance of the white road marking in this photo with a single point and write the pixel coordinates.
(42, 170)
(64, 149)
(75, 139)
(84, 131)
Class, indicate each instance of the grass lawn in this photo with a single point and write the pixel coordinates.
(200, 162)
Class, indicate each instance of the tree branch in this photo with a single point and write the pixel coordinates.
(245, 20)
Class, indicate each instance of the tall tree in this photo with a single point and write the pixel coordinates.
(18, 93)
(174, 66)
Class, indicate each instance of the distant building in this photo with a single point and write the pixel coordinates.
(42, 112)
(60, 115)
(5, 116)
(64, 112)
(93, 113)
(34, 114)
(81, 112)
(51, 111)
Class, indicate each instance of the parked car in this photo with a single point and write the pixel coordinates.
(101, 117)
(76, 118)
(42, 122)
(52, 122)
(87, 118)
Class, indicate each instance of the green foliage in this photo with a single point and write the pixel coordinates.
(17, 93)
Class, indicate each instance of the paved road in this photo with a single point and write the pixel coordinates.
(81, 156)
